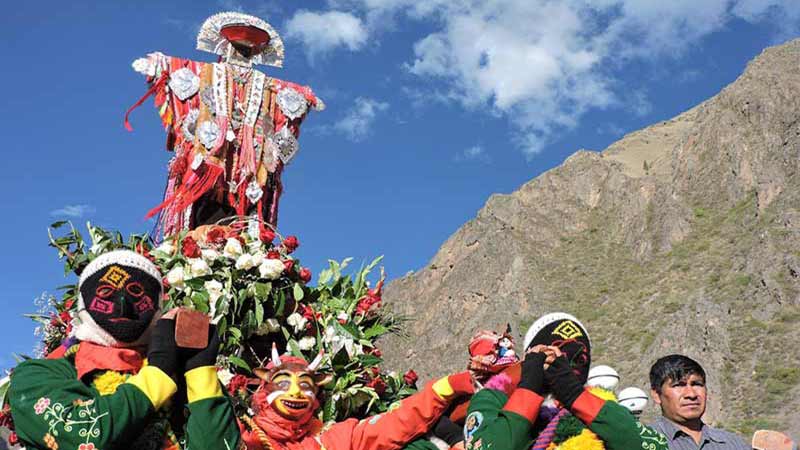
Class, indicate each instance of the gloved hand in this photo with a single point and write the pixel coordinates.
(192, 358)
(532, 377)
(448, 431)
(162, 351)
(563, 382)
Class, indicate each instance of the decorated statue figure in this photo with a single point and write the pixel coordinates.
(233, 128)
(286, 403)
(100, 394)
(556, 366)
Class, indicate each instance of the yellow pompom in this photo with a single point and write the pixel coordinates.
(603, 393)
(108, 382)
(584, 441)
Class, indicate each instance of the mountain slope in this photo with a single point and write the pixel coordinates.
(683, 237)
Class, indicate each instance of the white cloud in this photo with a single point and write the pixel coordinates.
(543, 63)
(356, 124)
(73, 211)
(474, 153)
(323, 32)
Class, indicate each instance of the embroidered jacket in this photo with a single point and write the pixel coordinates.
(52, 409)
(498, 422)
(392, 430)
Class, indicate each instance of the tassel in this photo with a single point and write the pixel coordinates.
(155, 87)
(191, 190)
(222, 122)
(247, 156)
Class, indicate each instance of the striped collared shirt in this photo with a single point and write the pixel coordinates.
(710, 439)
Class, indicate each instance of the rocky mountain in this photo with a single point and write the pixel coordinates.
(683, 237)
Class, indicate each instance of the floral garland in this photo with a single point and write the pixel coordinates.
(247, 279)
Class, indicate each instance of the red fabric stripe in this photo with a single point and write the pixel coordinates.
(525, 403)
(461, 383)
(587, 406)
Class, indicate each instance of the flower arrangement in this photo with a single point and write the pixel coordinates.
(246, 279)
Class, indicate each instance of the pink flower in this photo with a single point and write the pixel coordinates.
(88, 446)
(41, 405)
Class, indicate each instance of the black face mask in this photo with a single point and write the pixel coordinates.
(121, 300)
(573, 342)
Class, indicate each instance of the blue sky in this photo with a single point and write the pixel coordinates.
(432, 107)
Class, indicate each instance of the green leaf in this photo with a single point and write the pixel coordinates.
(329, 410)
(370, 360)
(375, 331)
(235, 360)
(59, 224)
(262, 290)
(298, 292)
(295, 348)
(235, 332)
(259, 314)
(324, 277)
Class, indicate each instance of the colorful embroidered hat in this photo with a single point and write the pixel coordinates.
(566, 332)
(119, 300)
(212, 38)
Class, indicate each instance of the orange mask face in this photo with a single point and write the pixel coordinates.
(290, 389)
(291, 393)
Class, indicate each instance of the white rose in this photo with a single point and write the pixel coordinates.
(258, 258)
(225, 376)
(175, 277)
(198, 267)
(270, 269)
(297, 321)
(233, 248)
(209, 254)
(307, 343)
(214, 289)
(245, 262)
(166, 247)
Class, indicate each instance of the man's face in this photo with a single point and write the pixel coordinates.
(683, 400)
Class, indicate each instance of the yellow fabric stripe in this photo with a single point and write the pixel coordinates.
(156, 385)
(442, 388)
(202, 383)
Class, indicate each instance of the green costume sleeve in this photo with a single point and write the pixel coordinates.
(211, 423)
(53, 409)
(496, 422)
(421, 444)
(615, 425)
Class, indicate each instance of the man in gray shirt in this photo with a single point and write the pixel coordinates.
(678, 385)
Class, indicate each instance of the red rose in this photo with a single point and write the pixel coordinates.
(190, 249)
(272, 254)
(308, 313)
(410, 378)
(65, 317)
(266, 235)
(68, 304)
(234, 234)
(378, 385)
(375, 371)
(288, 265)
(290, 244)
(144, 250)
(216, 235)
(376, 352)
(305, 274)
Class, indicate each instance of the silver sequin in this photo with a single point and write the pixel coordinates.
(292, 103)
(287, 144)
(207, 133)
(253, 191)
(184, 83)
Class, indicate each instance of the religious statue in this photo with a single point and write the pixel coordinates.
(233, 129)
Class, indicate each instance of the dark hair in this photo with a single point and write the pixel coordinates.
(673, 367)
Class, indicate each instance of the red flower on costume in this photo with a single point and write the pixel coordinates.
(410, 378)
(89, 446)
(237, 383)
(305, 274)
(190, 249)
(13, 439)
(290, 244)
